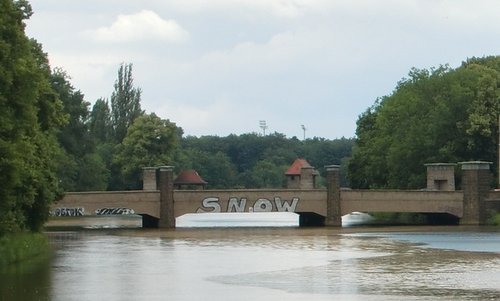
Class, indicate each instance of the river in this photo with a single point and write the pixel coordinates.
(286, 263)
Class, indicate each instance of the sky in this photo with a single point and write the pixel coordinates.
(220, 67)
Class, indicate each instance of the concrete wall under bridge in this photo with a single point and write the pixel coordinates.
(315, 206)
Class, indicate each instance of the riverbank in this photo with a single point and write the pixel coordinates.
(20, 247)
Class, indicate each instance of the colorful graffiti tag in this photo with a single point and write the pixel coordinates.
(212, 204)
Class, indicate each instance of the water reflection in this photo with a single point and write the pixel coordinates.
(26, 281)
(255, 264)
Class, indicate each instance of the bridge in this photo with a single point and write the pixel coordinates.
(159, 207)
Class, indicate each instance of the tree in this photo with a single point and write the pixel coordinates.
(31, 113)
(266, 174)
(254, 161)
(74, 135)
(437, 115)
(150, 141)
(100, 126)
(125, 102)
(215, 168)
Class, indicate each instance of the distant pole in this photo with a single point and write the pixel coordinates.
(498, 151)
(263, 126)
(304, 129)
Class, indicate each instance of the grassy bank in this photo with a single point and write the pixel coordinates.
(19, 247)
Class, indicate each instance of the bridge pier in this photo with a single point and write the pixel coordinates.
(333, 209)
(166, 185)
(476, 177)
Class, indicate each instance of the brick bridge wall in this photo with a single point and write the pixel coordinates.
(294, 200)
(472, 204)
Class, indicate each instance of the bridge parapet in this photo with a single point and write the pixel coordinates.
(418, 201)
(250, 200)
(147, 202)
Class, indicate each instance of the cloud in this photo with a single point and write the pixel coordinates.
(290, 62)
(277, 8)
(209, 117)
(144, 25)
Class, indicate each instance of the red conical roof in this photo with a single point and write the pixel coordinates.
(189, 177)
(296, 166)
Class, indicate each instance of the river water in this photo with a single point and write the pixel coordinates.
(287, 263)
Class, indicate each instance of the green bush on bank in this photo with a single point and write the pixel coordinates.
(495, 220)
(22, 246)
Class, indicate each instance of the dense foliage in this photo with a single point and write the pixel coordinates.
(125, 102)
(30, 116)
(150, 141)
(255, 161)
(437, 115)
(105, 148)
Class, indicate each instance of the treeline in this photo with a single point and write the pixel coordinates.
(255, 161)
(106, 146)
(436, 115)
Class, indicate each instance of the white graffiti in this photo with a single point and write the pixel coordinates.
(79, 211)
(114, 211)
(212, 204)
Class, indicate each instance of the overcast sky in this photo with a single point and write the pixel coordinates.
(218, 67)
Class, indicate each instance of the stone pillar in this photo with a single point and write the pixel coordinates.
(333, 212)
(476, 178)
(441, 176)
(307, 177)
(167, 217)
(149, 178)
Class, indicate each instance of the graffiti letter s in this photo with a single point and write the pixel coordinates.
(210, 203)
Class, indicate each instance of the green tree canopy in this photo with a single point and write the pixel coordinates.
(437, 115)
(125, 102)
(215, 168)
(150, 141)
(100, 122)
(31, 113)
(73, 136)
(255, 161)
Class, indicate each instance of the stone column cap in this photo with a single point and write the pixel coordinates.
(440, 164)
(332, 167)
(165, 167)
(475, 165)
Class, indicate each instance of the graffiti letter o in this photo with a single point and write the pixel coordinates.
(263, 205)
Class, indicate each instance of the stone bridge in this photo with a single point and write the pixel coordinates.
(472, 205)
